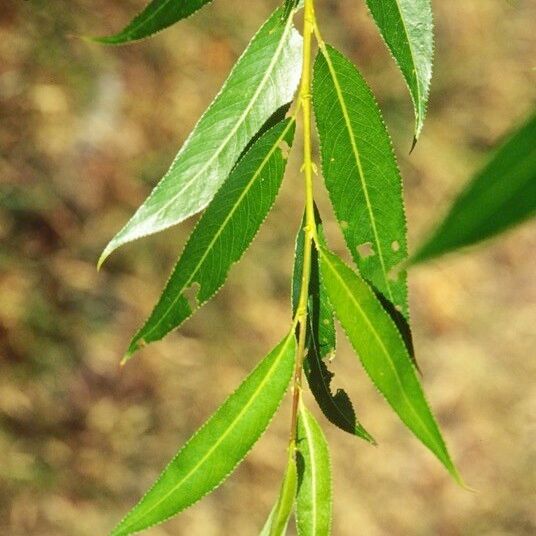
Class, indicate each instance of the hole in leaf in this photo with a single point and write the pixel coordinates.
(395, 246)
(365, 250)
(285, 149)
(191, 295)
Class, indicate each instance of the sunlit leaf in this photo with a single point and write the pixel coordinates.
(158, 14)
(313, 505)
(407, 28)
(502, 195)
(380, 347)
(214, 451)
(321, 342)
(263, 80)
(222, 235)
(277, 522)
(361, 174)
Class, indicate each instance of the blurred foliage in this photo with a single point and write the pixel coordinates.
(84, 133)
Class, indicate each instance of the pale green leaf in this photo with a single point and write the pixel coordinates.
(156, 16)
(384, 355)
(321, 342)
(263, 80)
(222, 235)
(219, 445)
(313, 505)
(408, 30)
(277, 522)
(361, 174)
(502, 195)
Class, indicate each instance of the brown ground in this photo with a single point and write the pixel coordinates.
(84, 133)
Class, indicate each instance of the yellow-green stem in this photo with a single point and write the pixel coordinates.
(309, 25)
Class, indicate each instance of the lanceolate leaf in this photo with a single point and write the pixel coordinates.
(223, 233)
(264, 79)
(159, 14)
(407, 27)
(361, 174)
(276, 525)
(321, 342)
(219, 445)
(380, 347)
(313, 506)
(502, 195)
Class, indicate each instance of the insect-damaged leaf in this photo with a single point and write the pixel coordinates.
(263, 80)
(361, 174)
(380, 347)
(214, 451)
(156, 16)
(223, 233)
(313, 505)
(407, 28)
(321, 342)
(502, 195)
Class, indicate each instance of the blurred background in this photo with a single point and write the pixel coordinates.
(86, 131)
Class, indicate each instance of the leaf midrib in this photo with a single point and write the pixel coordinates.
(359, 166)
(412, 54)
(222, 227)
(387, 354)
(221, 438)
(242, 118)
(147, 19)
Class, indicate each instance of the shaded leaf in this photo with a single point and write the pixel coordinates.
(408, 30)
(263, 80)
(222, 235)
(219, 445)
(380, 347)
(313, 505)
(156, 16)
(361, 174)
(501, 196)
(321, 342)
(277, 522)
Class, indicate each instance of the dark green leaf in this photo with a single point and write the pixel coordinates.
(407, 27)
(361, 174)
(380, 347)
(313, 505)
(321, 342)
(158, 14)
(222, 235)
(219, 445)
(263, 80)
(502, 195)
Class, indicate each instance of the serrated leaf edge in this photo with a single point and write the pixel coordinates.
(289, 29)
(140, 342)
(284, 347)
(450, 466)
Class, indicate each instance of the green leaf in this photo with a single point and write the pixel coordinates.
(408, 30)
(219, 445)
(380, 347)
(264, 79)
(321, 342)
(157, 15)
(222, 235)
(313, 506)
(502, 195)
(277, 522)
(361, 174)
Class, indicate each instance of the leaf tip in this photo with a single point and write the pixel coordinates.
(413, 143)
